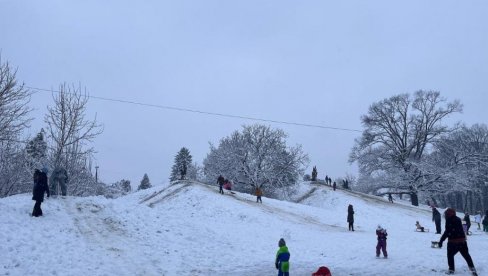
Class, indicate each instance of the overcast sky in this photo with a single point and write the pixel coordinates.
(311, 62)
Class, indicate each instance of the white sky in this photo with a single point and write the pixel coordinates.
(193, 230)
(314, 62)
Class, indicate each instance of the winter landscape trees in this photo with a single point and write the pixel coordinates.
(14, 118)
(256, 156)
(182, 164)
(407, 148)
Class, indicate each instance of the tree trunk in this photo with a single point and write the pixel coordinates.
(414, 199)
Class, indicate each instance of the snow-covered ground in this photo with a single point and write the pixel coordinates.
(190, 229)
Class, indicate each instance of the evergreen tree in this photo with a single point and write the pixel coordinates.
(314, 173)
(145, 184)
(183, 161)
(37, 150)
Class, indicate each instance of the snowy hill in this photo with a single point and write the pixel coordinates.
(190, 229)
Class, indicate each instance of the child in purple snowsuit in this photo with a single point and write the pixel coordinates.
(381, 233)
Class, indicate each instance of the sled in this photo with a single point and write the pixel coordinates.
(435, 244)
(425, 230)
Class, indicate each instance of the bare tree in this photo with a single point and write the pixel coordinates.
(14, 111)
(14, 100)
(397, 132)
(69, 132)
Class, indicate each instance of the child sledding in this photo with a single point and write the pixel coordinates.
(420, 228)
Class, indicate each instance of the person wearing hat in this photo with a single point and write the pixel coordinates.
(381, 245)
(282, 259)
(456, 241)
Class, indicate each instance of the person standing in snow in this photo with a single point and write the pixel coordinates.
(220, 181)
(282, 259)
(477, 219)
(334, 186)
(381, 234)
(467, 220)
(259, 193)
(456, 242)
(350, 217)
(485, 222)
(436, 217)
(390, 198)
(40, 186)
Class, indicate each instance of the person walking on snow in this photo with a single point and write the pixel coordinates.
(477, 219)
(456, 242)
(350, 217)
(40, 186)
(282, 259)
(334, 186)
(467, 220)
(485, 222)
(220, 181)
(381, 233)
(259, 193)
(436, 217)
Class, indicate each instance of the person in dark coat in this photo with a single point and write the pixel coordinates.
(456, 242)
(381, 245)
(467, 220)
(40, 186)
(334, 186)
(220, 181)
(350, 217)
(436, 217)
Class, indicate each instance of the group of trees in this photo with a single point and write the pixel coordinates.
(65, 142)
(406, 148)
(257, 156)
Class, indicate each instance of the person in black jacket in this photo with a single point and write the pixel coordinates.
(40, 186)
(436, 217)
(456, 242)
(467, 220)
(350, 217)
(220, 181)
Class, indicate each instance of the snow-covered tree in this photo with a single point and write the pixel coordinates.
(70, 133)
(14, 100)
(398, 131)
(145, 184)
(257, 156)
(183, 161)
(457, 168)
(37, 150)
(15, 176)
(314, 173)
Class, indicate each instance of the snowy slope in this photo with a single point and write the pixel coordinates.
(190, 229)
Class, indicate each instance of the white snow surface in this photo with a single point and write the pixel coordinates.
(190, 229)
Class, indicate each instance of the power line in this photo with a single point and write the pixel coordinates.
(202, 112)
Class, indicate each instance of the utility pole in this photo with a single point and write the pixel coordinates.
(96, 174)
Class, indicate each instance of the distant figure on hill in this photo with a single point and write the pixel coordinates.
(282, 259)
(259, 193)
(40, 186)
(220, 181)
(228, 186)
(436, 217)
(456, 242)
(381, 245)
(390, 198)
(334, 186)
(350, 217)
